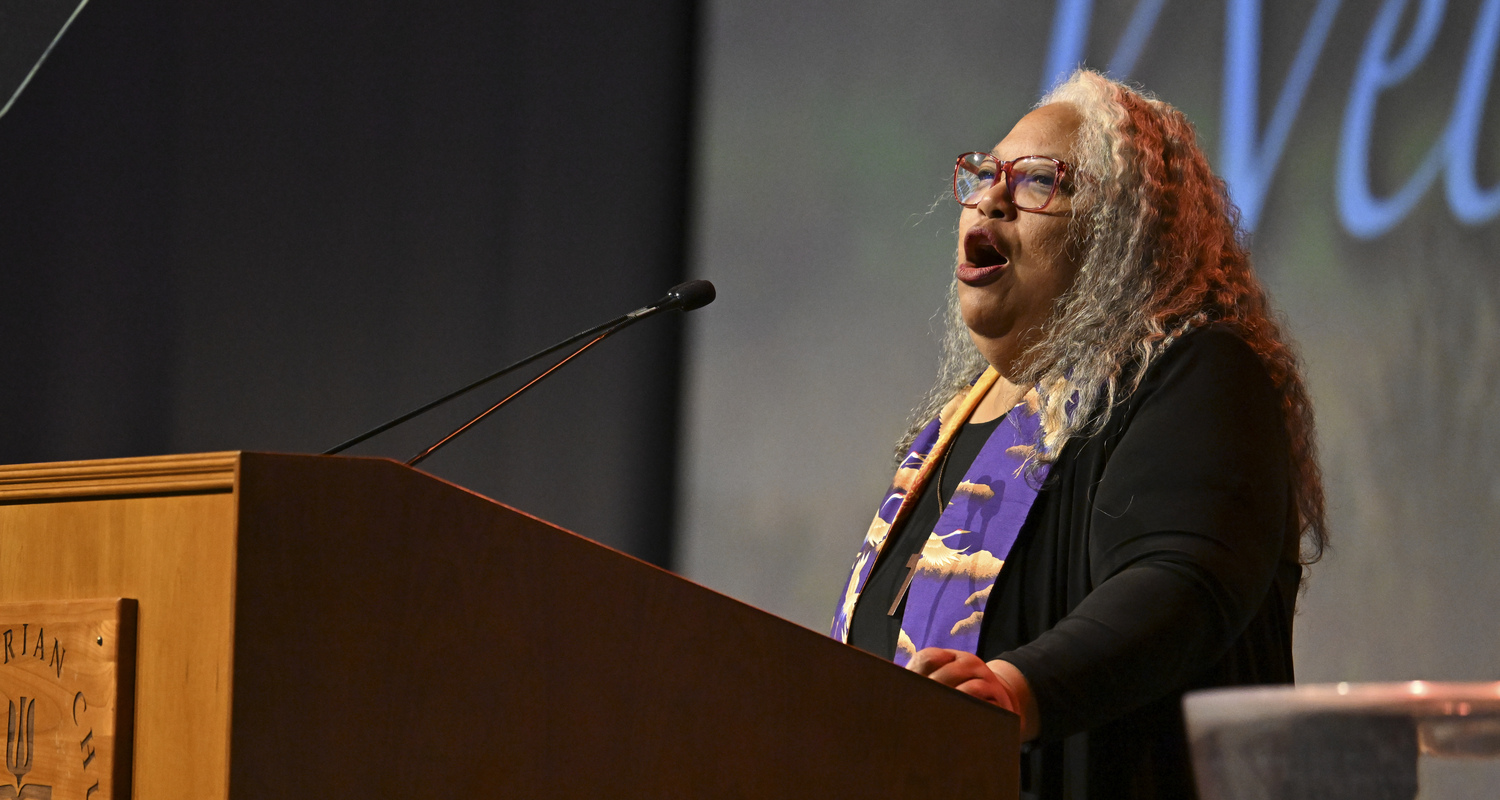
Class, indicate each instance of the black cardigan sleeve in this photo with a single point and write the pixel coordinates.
(1184, 534)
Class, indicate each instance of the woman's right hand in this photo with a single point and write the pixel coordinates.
(996, 682)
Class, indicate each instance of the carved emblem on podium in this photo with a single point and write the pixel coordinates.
(20, 743)
(67, 681)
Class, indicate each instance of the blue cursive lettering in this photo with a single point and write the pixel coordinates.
(1362, 213)
(1249, 155)
(1471, 204)
(1246, 164)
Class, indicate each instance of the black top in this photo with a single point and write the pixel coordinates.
(872, 629)
(1160, 556)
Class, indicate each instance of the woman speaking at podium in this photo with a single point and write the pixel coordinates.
(1108, 498)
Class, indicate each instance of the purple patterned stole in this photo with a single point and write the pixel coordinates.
(964, 552)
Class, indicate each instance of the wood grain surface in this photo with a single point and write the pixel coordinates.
(402, 636)
(198, 472)
(67, 685)
(174, 555)
(344, 627)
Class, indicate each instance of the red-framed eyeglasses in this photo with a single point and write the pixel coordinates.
(1033, 180)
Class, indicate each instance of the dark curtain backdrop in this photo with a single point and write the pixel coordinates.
(271, 225)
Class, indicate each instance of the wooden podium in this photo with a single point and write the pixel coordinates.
(313, 627)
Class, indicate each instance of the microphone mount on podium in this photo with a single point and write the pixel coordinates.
(684, 297)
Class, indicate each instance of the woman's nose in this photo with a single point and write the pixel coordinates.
(996, 201)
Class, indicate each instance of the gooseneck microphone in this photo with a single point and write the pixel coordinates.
(689, 296)
(682, 297)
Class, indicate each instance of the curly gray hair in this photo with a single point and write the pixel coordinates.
(1161, 252)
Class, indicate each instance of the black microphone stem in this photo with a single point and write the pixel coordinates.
(682, 297)
(476, 384)
(619, 325)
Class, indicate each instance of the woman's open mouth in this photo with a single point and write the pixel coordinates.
(983, 262)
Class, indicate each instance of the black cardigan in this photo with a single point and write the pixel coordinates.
(1160, 556)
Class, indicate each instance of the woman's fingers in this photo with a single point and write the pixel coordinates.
(952, 667)
(930, 659)
(965, 672)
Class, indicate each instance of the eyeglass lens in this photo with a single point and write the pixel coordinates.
(1032, 180)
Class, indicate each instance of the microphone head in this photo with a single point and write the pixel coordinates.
(689, 296)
